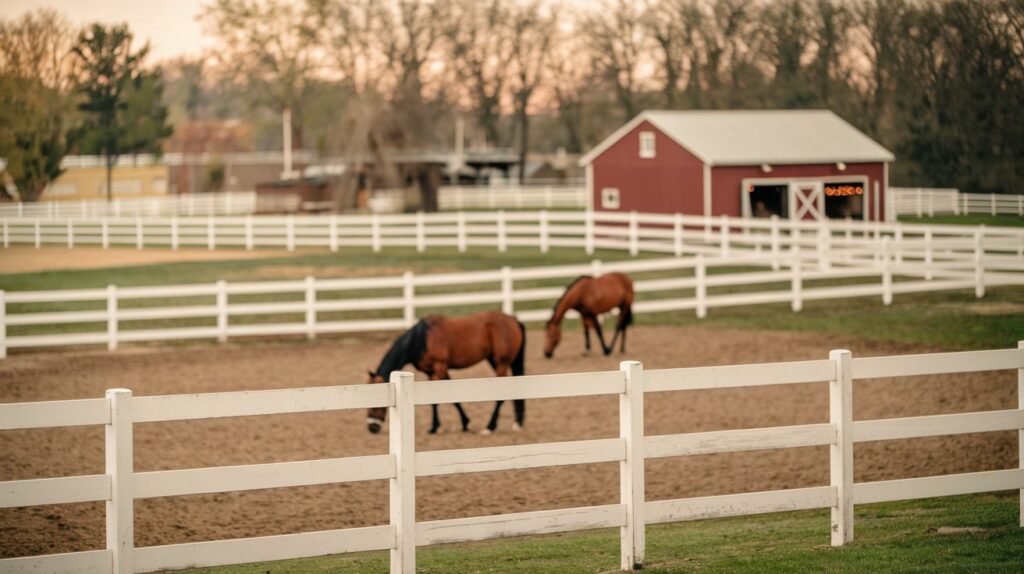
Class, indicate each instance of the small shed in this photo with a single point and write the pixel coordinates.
(797, 164)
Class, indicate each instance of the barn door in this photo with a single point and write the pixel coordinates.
(807, 200)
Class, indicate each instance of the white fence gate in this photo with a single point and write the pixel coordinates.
(120, 485)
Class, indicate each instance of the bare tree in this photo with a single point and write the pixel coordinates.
(616, 40)
(268, 46)
(532, 29)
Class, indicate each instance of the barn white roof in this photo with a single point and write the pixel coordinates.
(744, 137)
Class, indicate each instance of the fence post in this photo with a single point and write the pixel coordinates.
(111, 317)
(461, 230)
(248, 232)
(899, 243)
(174, 232)
(409, 296)
(1020, 205)
(840, 400)
(701, 289)
(402, 443)
(7, 234)
(222, 311)
(119, 467)
(211, 233)
(51, 209)
(979, 263)
(824, 245)
(310, 307)
(117, 208)
(797, 281)
(1020, 433)
(507, 305)
(421, 236)
(886, 273)
(502, 237)
(992, 197)
(71, 233)
(105, 232)
(375, 241)
(544, 238)
(723, 231)
(290, 232)
(919, 210)
(928, 254)
(39, 235)
(634, 232)
(588, 230)
(632, 536)
(677, 234)
(595, 268)
(332, 232)
(548, 199)
(139, 241)
(3, 325)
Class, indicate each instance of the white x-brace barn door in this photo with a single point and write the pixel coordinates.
(806, 200)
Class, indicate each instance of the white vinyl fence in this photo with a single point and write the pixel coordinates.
(226, 203)
(924, 201)
(512, 196)
(313, 306)
(120, 485)
(636, 232)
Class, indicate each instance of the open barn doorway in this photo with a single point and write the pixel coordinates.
(768, 200)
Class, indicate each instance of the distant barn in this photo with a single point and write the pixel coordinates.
(797, 164)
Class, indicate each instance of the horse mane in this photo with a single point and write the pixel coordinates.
(564, 293)
(407, 348)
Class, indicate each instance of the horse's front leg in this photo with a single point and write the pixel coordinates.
(586, 333)
(462, 417)
(501, 370)
(600, 337)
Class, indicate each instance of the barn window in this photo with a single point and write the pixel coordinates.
(647, 145)
(610, 198)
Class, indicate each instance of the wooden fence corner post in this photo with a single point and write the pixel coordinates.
(3, 325)
(634, 234)
(701, 288)
(886, 272)
(797, 281)
(222, 310)
(1020, 433)
(631, 470)
(677, 234)
(409, 298)
(840, 400)
(111, 317)
(402, 441)
(544, 234)
(310, 307)
(507, 304)
(502, 234)
(119, 467)
(979, 262)
(421, 236)
(460, 229)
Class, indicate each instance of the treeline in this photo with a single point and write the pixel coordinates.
(939, 82)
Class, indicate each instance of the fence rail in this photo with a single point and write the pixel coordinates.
(313, 306)
(928, 201)
(201, 204)
(512, 196)
(120, 486)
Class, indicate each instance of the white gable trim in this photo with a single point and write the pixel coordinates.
(621, 133)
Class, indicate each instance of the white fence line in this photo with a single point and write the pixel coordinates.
(313, 306)
(196, 204)
(922, 202)
(512, 196)
(120, 485)
(652, 233)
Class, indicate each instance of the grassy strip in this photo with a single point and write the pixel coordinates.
(971, 219)
(956, 534)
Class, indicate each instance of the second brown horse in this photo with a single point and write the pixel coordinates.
(438, 343)
(591, 296)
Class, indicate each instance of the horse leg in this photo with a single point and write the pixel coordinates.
(500, 369)
(586, 334)
(435, 422)
(600, 337)
(462, 417)
(520, 406)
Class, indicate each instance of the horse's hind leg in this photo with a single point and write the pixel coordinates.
(462, 417)
(600, 337)
(493, 424)
(520, 406)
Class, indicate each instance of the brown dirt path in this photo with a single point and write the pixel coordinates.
(25, 259)
(249, 440)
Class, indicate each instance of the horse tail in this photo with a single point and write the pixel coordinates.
(519, 363)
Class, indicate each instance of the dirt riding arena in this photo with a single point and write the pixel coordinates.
(267, 365)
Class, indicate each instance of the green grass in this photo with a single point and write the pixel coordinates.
(909, 536)
(973, 219)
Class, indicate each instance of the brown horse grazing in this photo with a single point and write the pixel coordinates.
(591, 296)
(438, 343)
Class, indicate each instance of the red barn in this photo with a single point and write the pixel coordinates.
(800, 164)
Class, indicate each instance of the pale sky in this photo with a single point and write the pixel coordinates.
(169, 25)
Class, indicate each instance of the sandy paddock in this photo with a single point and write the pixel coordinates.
(268, 365)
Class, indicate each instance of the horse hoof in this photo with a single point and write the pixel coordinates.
(432, 431)
(486, 432)
(516, 427)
